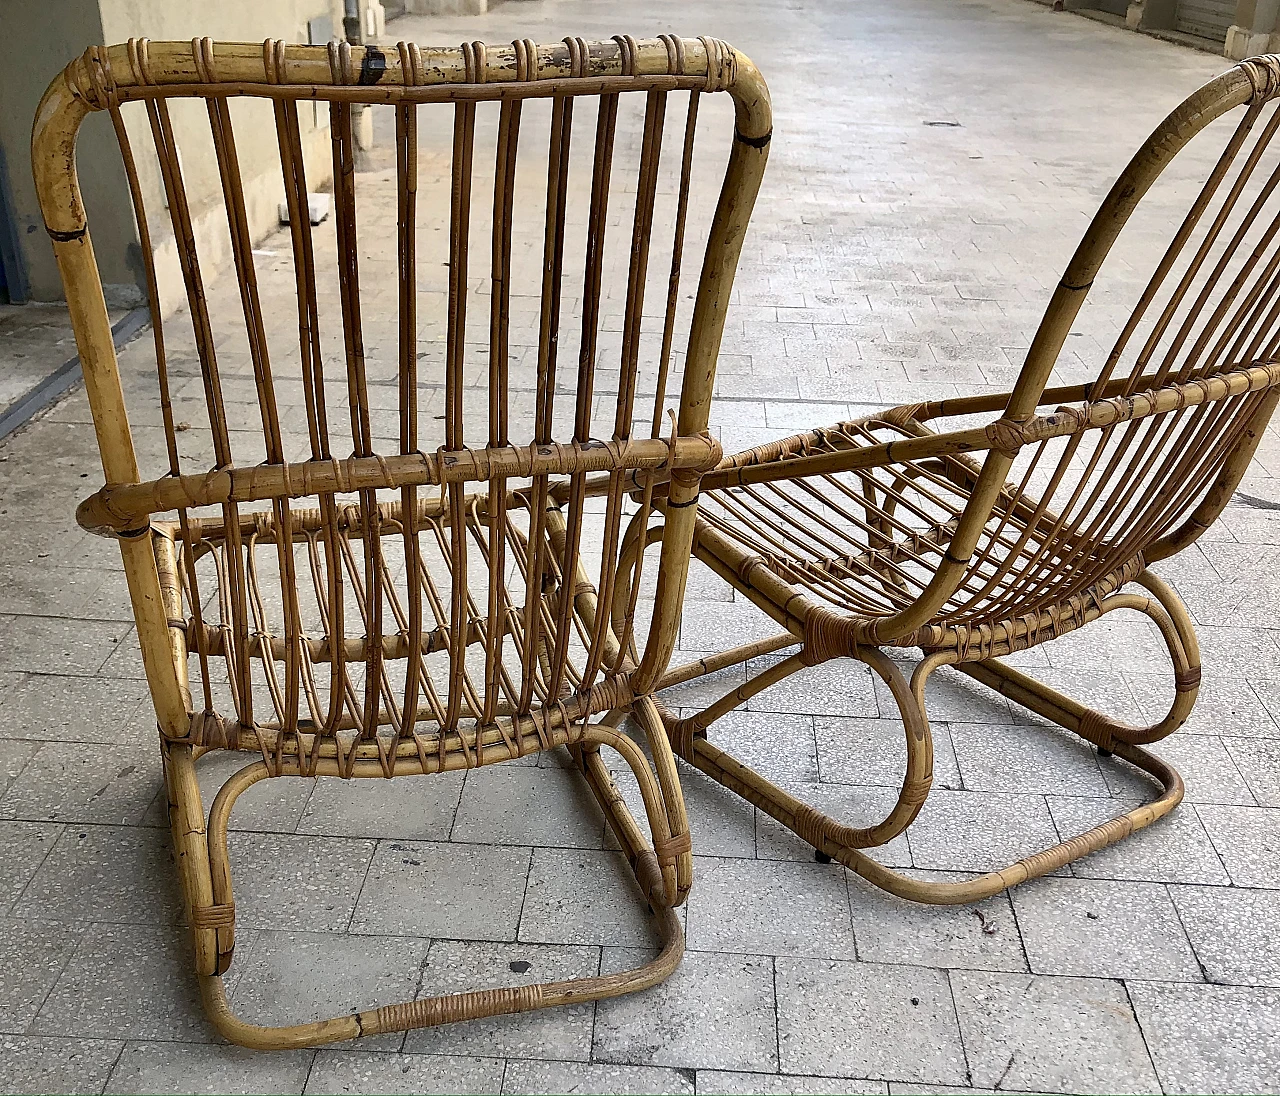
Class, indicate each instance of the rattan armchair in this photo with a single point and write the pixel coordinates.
(1027, 515)
(391, 591)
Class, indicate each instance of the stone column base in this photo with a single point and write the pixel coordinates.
(1243, 42)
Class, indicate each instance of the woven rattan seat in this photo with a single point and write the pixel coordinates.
(368, 550)
(978, 526)
(864, 564)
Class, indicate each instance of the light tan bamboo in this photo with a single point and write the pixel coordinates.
(371, 729)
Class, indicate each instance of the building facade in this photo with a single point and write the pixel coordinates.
(1241, 27)
(47, 36)
(1234, 28)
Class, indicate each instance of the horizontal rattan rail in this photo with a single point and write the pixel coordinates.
(126, 507)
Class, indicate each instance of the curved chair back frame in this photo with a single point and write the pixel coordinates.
(1164, 444)
(420, 597)
(433, 503)
(1146, 455)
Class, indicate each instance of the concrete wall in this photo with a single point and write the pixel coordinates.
(45, 36)
(446, 7)
(40, 40)
(1257, 22)
(1254, 28)
(253, 121)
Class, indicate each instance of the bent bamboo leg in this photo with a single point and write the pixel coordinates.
(663, 876)
(191, 851)
(845, 845)
(714, 663)
(636, 540)
(663, 801)
(1112, 736)
(828, 836)
(1038, 864)
(1171, 617)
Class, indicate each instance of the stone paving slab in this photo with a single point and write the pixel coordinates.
(716, 1012)
(1052, 1034)
(889, 261)
(335, 1072)
(1210, 1038)
(166, 1067)
(868, 1020)
(979, 936)
(1234, 932)
(1103, 928)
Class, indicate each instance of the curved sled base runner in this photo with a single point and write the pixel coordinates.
(206, 875)
(833, 840)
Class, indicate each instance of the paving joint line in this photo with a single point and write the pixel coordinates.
(44, 394)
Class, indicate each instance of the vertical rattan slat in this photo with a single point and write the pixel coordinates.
(176, 578)
(237, 631)
(311, 361)
(544, 399)
(407, 271)
(646, 190)
(624, 629)
(464, 125)
(499, 386)
(601, 168)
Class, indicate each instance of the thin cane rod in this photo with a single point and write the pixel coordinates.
(162, 377)
(548, 339)
(344, 195)
(641, 235)
(188, 259)
(464, 127)
(1210, 238)
(664, 355)
(499, 390)
(313, 386)
(242, 256)
(597, 220)
(407, 262)
(1179, 241)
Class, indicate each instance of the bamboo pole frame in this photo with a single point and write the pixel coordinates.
(383, 728)
(979, 541)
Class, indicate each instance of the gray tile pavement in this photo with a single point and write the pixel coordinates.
(888, 261)
(1051, 1033)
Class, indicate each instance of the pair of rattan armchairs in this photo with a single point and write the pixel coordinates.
(457, 583)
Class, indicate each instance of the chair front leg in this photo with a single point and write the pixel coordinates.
(833, 841)
(1170, 616)
(660, 793)
(830, 838)
(663, 872)
(212, 944)
(1107, 733)
(1040, 863)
